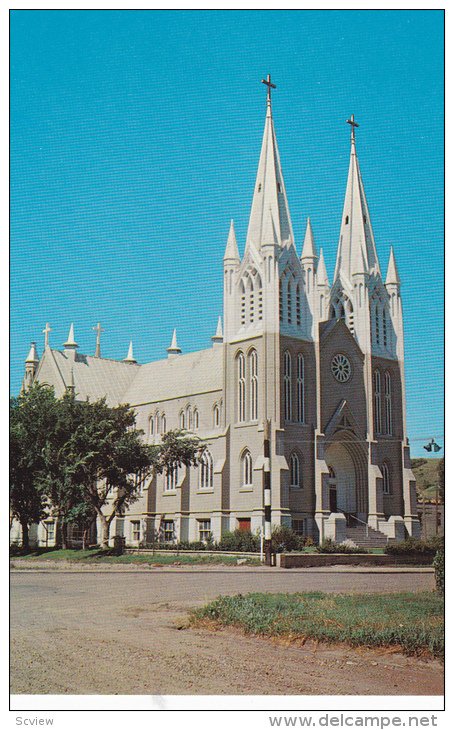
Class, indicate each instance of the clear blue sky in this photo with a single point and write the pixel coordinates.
(135, 138)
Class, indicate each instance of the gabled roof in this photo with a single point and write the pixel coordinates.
(176, 377)
(94, 377)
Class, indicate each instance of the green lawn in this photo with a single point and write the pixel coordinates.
(410, 621)
(98, 557)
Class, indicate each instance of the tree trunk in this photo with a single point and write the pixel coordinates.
(25, 537)
(64, 535)
(105, 524)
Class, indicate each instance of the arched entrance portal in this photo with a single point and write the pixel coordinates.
(347, 466)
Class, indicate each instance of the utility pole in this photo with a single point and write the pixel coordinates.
(267, 491)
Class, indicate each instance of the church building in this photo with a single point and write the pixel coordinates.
(322, 363)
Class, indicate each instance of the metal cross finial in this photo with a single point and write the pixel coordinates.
(46, 331)
(268, 83)
(98, 330)
(353, 124)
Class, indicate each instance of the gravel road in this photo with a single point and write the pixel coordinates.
(125, 632)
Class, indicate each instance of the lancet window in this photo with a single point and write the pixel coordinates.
(241, 380)
(300, 388)
(254, 385)
(206, 471)
(287, 386)
(377, 401)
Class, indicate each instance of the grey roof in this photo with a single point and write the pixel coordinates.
(94, 377)
(176, 377)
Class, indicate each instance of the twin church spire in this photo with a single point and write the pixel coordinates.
(270, 221)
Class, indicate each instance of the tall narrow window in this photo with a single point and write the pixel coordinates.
(182, 420)
(289, 300)
(196, 419)
(189, 418)
(151, 426)
(377, 324)
(377, 401)
(243, 303)
(206, 471)
(247, 469)
(386, 480)
(295, 476)
(287, 386)
(156, 423)
(241, 388)
(163, 423)
(171, 478)
(259, 290)
(298, 305)
(300, 388)
(385, 329)
(254, 384)
(388, 405)
(216, 416)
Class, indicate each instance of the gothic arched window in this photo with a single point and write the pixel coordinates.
(151, 426)
(300, 388)
(295, 473)
(156, 423)
(377, 401)
(254, 384)
(298, 305)
(182, 420)
(206, 471)
(388, 405)
(246, 468)
(287, 386)
(243, 302)
(386, 479)
(196, 419)
(163, 423)
(216, 416)
(385, 329)
(171, 478)
(241, 388)
(188, 418)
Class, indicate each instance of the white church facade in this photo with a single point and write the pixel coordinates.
(324, 364)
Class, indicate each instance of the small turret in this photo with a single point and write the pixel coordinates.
(174, 350)
(309, 252)
(31, 366)
(392, 277)
(218, 337)
(71, 345)
(130, 356)
(231, 254)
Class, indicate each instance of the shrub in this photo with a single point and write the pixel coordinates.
(329, 546)
(239, 541)
(415, 548)
(439, 565)
(284, 539)
(308, 541)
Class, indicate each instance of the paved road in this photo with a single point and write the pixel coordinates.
(125, 633)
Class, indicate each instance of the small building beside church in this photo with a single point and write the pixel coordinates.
(323, 363)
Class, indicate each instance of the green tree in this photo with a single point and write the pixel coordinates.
(32, 420)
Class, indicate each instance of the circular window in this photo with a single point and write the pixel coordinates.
(341, 368)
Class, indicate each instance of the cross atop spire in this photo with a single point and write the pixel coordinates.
(352, 124)
(46, 331)
(98, 330)
(268, 83)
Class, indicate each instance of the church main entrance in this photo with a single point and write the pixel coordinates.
(347, 467)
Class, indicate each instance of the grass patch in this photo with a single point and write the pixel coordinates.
(98, 557)
(412, 622)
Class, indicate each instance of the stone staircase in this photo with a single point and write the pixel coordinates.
(374, 538)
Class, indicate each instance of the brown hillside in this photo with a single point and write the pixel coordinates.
(425, 471)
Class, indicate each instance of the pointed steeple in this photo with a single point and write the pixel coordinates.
(130, 356)
(309, 250)
(356, 229)
(71, 344)
(269, 235)
(392, 277)
(358, 263)
(32, 356)
(322, 275)
(174, 349)
(231, 249)
(218, 336)
(269, 190)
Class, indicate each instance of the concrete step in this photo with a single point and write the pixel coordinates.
(366, 538)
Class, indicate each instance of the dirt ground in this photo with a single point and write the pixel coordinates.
(126, 632)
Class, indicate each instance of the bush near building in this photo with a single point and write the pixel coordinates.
(415, 548)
